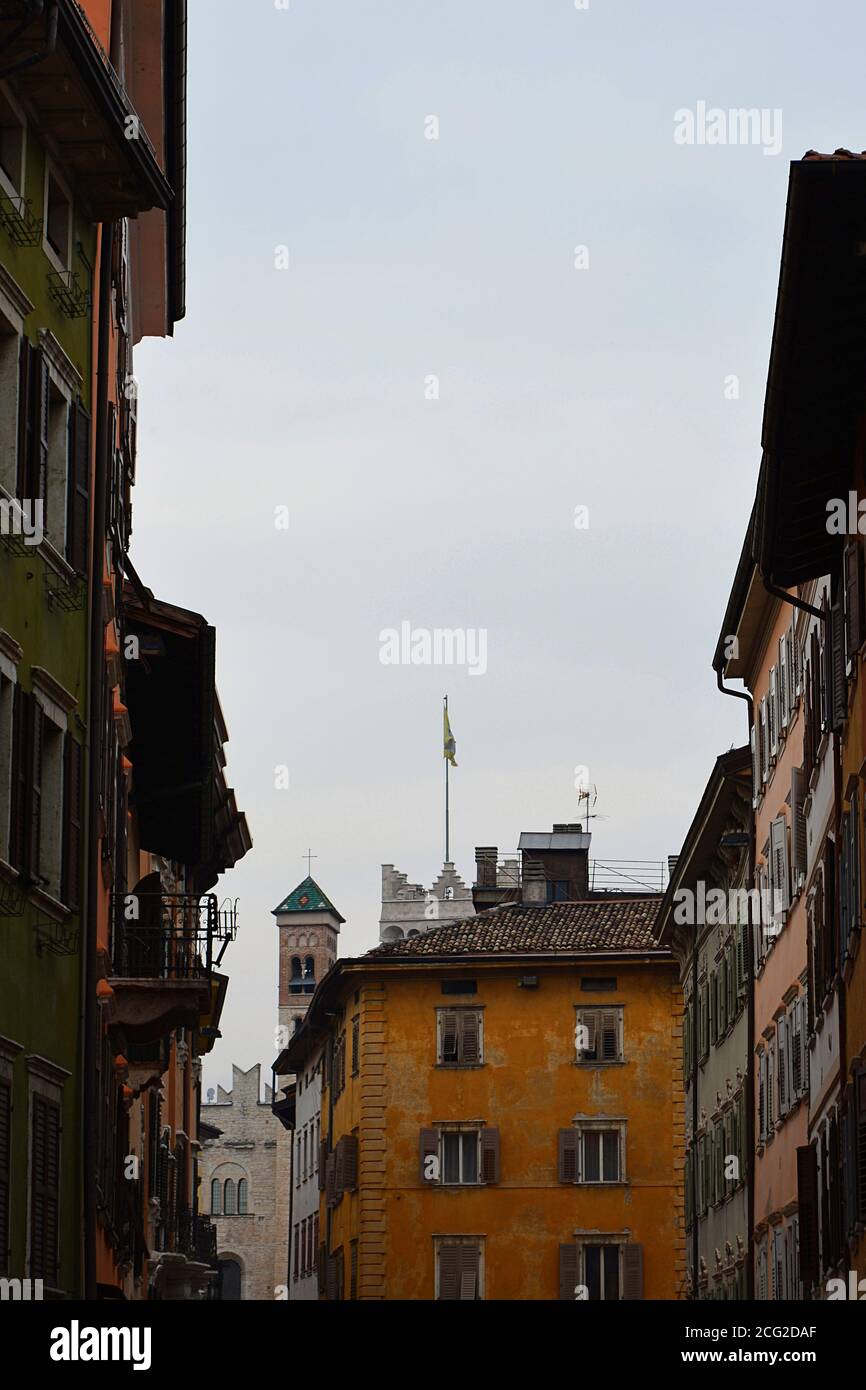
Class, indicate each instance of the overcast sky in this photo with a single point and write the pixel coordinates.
(605, 387)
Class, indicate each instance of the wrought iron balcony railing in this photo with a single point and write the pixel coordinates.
(162, 936)
(196, 1237)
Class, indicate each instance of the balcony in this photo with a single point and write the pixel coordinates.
(162, 960)
(196, 1238)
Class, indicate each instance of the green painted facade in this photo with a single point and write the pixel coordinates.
(40, 990)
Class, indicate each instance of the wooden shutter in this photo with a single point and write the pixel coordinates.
(34, 828)
(44, 1189)
(340, 1167)
(568, 1167)
(632, 1271)
(851, 573)
(332, 1276)
(450, 1269)
(349, 1144)
(323, 1161)
(331, 1180)
(5, 1171)
(428, 1148)
(490, 1163)
(764, 740)
(568, 1272)
(782, 1048)
(78, 491)
(589, 1020)
(25, 418)
(73, 816)
(798, 827)
(860, 1145)
(756, 765)
(773, 712)
(448, 1027)
(784, 683)
(22, 705)
(807, 1199)
(321, 1268)
(471, 1039)
(838, 689)
(609, 1036)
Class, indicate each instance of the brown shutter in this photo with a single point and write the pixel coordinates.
(428, 1148)
(471, 1050)
(321, 1268)
(469, 1274)
(448, 1027)
(838, 704)
(34, 828)
(350, 1162)
(568, 1272)
(568, 1149)
(5, 1170)
(44, 1189)
(25, 418)
(807, 1199)
(331, 1180)
(450, 1269)
(72, 822)
(860, 1146)
(851, 568)
(632, 1271)
(331, 1277)
(490, 1155)
(323, 1161)
(609, 1036)
(78, 490)
(21, 726)
(340, 1167)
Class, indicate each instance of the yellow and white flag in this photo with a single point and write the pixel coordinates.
(449, 747)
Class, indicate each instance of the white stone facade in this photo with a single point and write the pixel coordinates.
(246, 1151)
(305, 1236)
(408, 909)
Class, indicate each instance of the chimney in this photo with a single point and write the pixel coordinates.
(534, 881)
(485, 865)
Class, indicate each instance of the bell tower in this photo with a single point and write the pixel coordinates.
(309, 926)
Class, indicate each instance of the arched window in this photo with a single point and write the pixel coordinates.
(412, 932)
(216, 1205)
(309, 975)
(296, 985)
(229, 1197)
(242, 1197)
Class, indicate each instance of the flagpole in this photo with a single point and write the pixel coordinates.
(447, 826)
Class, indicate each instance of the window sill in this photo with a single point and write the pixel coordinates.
(619, 1062)
(460, 1066)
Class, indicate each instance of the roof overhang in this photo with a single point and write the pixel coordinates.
(81, 108)
(816, 387)
(711, 820)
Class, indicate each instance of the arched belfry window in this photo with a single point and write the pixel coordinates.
(229, 1197)
(297, 985)
(242, 1197)
(309, 975)
(216, 1205)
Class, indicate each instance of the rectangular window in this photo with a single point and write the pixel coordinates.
(58, 220)
(598, 1035)
(460, 1037)
(601, 1272)
(459, 1269)
(600, 1155)
(459, 986)
(597, 984)
(459, 1156)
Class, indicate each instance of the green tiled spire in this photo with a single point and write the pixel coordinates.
(308, 897)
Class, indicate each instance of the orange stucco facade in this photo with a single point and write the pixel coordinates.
(529, 1086)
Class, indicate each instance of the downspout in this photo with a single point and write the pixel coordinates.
(750, 1016)
(95, 705)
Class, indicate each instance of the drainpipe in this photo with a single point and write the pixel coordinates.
(749, 1079)
(95, 705)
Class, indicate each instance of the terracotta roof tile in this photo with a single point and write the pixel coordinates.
(597, 924)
